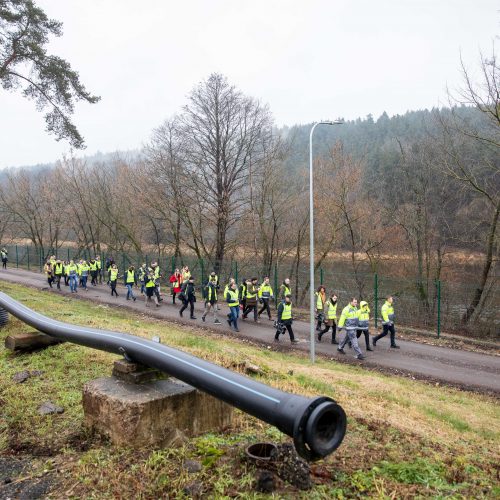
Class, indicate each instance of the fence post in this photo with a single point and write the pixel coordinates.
(40, 259)
(17, 257)
(202, 268)
(375, 294)
(28, 255)
(320, 275)
(275, 283)
(236, 272)
(438, 284)
(172, 264)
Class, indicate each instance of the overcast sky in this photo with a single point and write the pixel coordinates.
(308, 59)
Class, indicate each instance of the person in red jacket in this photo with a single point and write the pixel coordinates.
(176, 280)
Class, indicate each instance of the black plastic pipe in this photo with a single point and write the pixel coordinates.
(317, 425)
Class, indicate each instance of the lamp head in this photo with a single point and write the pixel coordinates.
(339, 121)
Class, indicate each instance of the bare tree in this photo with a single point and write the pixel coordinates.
(479, 174)
(224, 128)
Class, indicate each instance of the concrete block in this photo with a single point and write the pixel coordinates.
(29, 341)
(154, 413)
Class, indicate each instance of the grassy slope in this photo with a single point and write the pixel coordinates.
(405, 438)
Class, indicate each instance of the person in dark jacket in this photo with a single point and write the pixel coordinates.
(285, 318)
(251, 299)
(4, 258)
(188, 293)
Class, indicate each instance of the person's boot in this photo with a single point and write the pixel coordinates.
(368, 348)
(394, 346)
(340, 350)
(319, 336)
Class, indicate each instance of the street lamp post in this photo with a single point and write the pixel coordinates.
(311, 234)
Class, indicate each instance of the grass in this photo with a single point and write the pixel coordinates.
(405, 438)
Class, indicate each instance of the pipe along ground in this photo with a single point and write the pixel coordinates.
(317, 425)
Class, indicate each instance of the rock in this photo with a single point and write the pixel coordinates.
(194, 490)
(49, 408)
(192, 466)
(36, 373)
(251, 369)
(266, 482)
(21, 377)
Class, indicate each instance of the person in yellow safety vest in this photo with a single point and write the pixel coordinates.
(176, 282)
(73, 276)
(84, 274)
(319, 306)
(210, 294)
(349, 320)
(157, 272)
(265, 296)
(93, 272)
(130, 282)
(228, 286)
(285, 320)
(242, 292)
(364, 323)
(66, 274)
(53, 260)
(150, 287)
(331, 318)
(49, 271)
(58, 272)
(233, 301)
(113, 278)
(251, 299)
(388, 318)
(285, 290)
(99, 267)
(186, 274)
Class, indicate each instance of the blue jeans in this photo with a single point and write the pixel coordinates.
(84, 281)
(130, 293)
(73, 282)
(234, 312)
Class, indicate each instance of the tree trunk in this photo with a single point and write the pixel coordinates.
(486, 268)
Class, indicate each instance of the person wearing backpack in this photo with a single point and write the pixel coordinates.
(4, 254)
(285, 318)
(189, 294)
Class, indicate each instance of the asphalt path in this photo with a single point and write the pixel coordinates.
(465, 369)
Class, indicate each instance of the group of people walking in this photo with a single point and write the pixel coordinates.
(355, 321)
(250, 298)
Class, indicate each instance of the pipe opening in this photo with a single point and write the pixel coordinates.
(325, 428)
(260, 451)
